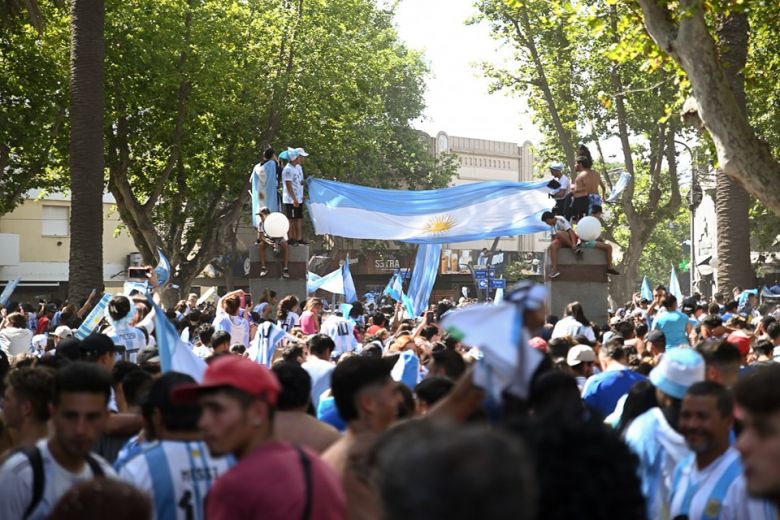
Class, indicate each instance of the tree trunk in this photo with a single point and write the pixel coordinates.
(742, 155)
(732, 202)
(87, 107)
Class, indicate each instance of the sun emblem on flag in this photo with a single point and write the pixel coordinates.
(439, 224)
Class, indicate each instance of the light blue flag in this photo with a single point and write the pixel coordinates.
(332, 282)
(394, 287)
(345, 309)
(647, 292)
(350, 294)
(163, 269)
(268, 337)
(499, 297)
(175, 354)
(93, 318)
(509, 362)
(256, 205)
(407, 369)
(9, 290)
(619, 187)
(674, 286)
(458, 214)
(408, 305)
(426, 267)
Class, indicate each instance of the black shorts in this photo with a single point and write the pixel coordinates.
(579, 207)
(292, 212)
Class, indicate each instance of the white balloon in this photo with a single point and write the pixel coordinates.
(589, 228)
(276, 225)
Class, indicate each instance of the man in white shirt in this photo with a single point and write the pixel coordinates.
(292, 194)
(708, 483)
(562, 195)
(319, 366)
(177, 470)
(52, 467)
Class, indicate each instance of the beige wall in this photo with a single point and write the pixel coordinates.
(46, 257)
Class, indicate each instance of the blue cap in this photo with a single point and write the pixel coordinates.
(678, 369)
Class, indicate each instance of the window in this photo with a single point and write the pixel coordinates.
(55, 221)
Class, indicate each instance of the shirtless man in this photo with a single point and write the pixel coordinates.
(586, 187)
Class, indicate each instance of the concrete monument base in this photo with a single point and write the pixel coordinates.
(295, 285)
(583, 280)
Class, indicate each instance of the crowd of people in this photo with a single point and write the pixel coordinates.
(669, 410)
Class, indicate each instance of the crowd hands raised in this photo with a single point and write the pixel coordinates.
(661, 413)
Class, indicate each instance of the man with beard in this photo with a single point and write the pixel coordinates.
(709, 483)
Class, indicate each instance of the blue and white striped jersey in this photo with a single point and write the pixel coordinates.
(177, 475)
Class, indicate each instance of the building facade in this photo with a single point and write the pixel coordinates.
(35, 244)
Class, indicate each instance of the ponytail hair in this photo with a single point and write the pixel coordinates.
(584, 158)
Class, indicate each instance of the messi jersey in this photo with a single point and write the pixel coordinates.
(341, 332)
(177, 475)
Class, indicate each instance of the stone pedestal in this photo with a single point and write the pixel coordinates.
(297, 262)
(582, 279)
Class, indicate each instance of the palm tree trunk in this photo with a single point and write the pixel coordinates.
(87, 108)
(732, 202)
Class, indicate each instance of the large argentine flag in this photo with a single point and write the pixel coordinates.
(458, 214)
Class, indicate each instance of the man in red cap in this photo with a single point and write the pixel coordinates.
(272, 480)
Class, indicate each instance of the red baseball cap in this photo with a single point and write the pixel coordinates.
(236, 372)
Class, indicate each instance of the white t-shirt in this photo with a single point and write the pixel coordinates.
(569, 326)
(294, 174)
(565, 187)
(340, 331)
(16, 483)
(236, 326)
(320, 371)
(177, 475)
(561, 224)
(701, 483)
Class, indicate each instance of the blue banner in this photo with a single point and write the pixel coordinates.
(647, 292)
(163, 269)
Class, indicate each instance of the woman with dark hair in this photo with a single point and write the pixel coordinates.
(122, 314)
(586, 187)
(574, 324)
(637, 401)
(266, 304)
(286, 317)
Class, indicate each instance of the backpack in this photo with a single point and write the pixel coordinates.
(33, 455)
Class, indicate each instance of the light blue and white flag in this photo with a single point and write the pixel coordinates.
(647, 292)
(619, 187)
(407, 369)
(674, 286)
(350, 293)
(499, 297)
(175, 354)
(345, 309)
(426, 267)
(163, 269)
(458, 214)
(257, 188)
(394, 287)
(509, 362)
(331, 282)
(93, 318)
(268, 337)
(9, 289)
